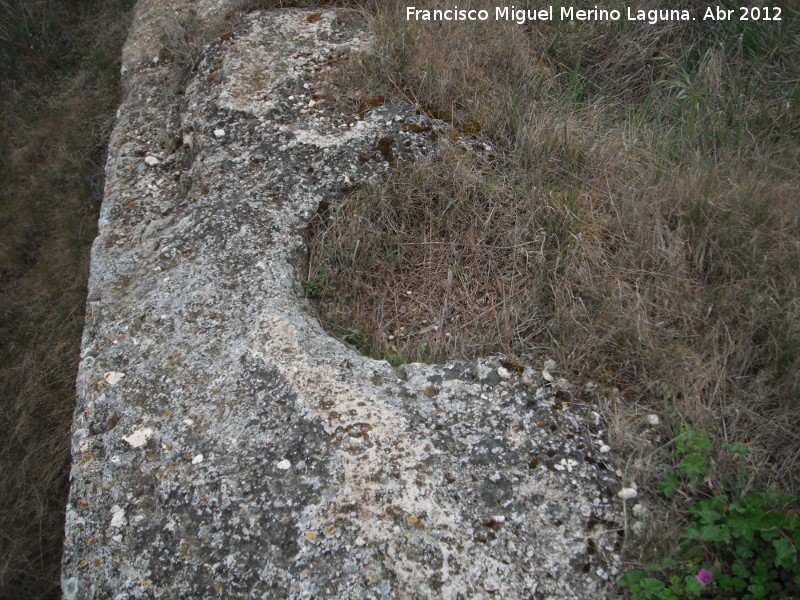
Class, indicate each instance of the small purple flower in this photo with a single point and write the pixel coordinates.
(710, 483)
(704, 577)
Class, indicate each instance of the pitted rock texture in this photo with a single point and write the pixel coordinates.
(226, 446)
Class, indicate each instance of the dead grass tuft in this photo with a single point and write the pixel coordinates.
(439, 273)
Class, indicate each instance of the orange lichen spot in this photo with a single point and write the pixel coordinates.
(385, 148)
(113, 420)
(314, 17)
(331, 529)
(513, 366)
(166, 414)
(358, 430)
(373, 578)
(416, 128)
(111, 485)
(364, 106)
(86, 458)
(82, 505)
(415, 521)
(443, 115)
(311, 535)
(83, 564)
(91, 541)
(96, 562)
(470, 127)
(217, 586)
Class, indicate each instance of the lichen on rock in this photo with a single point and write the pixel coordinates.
(247, 453)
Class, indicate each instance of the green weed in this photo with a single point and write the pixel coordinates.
(319, 286)
(741, 541)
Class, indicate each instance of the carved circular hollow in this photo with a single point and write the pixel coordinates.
(238, 449)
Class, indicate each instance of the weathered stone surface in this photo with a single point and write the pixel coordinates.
(224, 444)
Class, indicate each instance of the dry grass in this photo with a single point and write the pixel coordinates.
(639, 221)
(58, 85)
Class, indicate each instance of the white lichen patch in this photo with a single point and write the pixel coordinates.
(139, 437)
(117, 517)
(113, 377)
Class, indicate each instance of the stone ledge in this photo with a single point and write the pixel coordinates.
(223, 443)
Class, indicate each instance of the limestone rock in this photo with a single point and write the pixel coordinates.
(246, 453)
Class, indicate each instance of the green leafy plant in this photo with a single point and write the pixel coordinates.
(318, 285)
(737, 544)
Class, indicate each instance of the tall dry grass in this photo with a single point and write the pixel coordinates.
(638, 220)
(59, 65)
